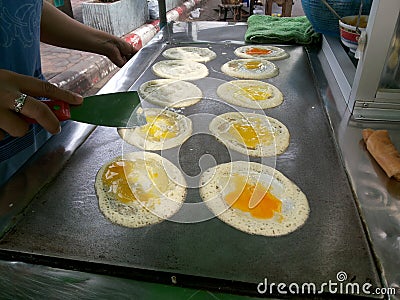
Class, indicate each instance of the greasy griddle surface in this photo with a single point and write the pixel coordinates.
(64, 220)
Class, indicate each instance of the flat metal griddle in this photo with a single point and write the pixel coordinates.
(64, 227)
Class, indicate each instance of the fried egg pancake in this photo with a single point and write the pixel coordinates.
(261, 51)
(180, 69)
(165, 129)
(191, 53)
(280, 207)
(170, 92)
(251, 134)
(139, 189)
(250, 93)
(255, 68)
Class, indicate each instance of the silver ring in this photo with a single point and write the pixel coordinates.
(19, 103)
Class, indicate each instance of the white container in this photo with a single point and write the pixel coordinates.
(348, 32)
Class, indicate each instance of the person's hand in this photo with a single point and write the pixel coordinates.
(12, 87)
(118, 50)
(58, 29)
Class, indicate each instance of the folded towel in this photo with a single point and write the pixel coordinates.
(268, 29)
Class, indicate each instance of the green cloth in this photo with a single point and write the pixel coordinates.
(268, 29)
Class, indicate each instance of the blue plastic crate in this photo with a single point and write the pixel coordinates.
(324, 21)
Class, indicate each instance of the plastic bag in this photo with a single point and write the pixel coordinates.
(154, 12)
(195, 13)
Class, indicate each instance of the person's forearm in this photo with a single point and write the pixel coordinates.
(58, 29)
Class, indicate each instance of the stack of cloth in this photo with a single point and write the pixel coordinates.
(264, 29)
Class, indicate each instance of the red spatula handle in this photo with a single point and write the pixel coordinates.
(59, 108)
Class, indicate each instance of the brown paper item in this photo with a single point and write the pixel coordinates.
(384, 152)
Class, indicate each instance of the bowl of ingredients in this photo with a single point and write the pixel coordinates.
(350, 30)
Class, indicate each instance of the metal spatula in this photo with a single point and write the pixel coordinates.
(113, 110)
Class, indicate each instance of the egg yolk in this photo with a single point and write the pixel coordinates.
(251, 65)
(147, 178)
(256, 93)
(251, 134)
(267, 204)
(258, 51)
(159, 127)
(114, 177)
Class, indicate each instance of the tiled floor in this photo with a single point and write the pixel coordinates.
(56, 60)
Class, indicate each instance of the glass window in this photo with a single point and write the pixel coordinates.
(390, 78)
